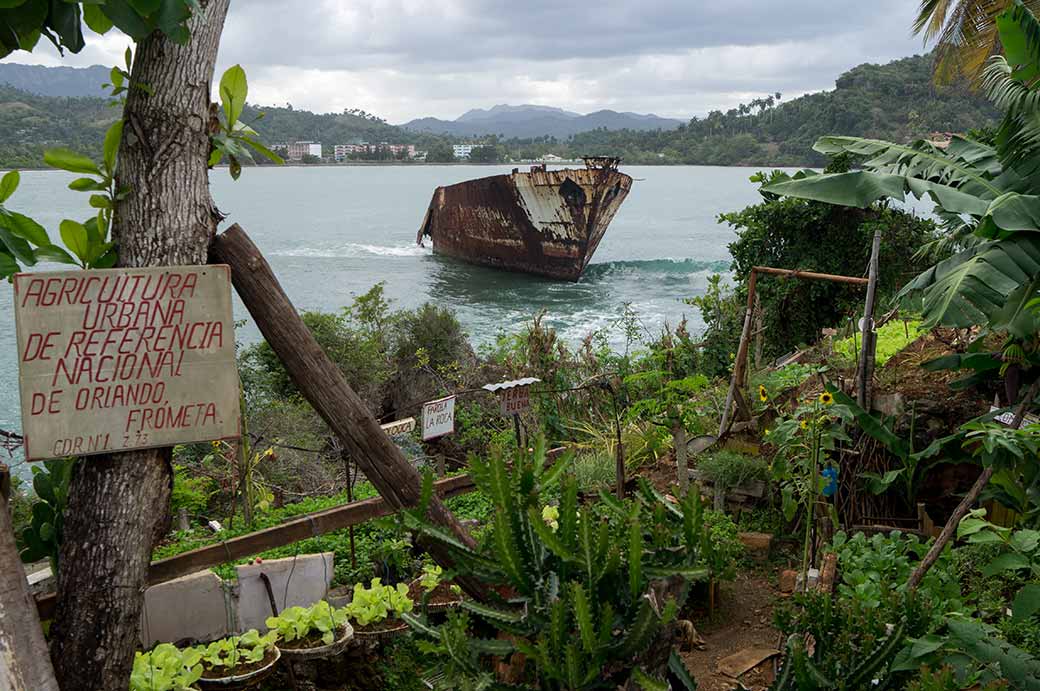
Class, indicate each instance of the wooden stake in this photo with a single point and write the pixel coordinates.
(322, 383)
(866, 362)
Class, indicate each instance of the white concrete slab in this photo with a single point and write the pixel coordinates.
(192, 606)
(308, 577)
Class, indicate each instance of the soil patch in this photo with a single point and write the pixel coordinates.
(239, 669)
(743, 619)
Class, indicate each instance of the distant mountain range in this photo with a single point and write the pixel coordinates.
(530, 121)
(56, 81)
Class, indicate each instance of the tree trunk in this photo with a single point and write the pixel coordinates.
(118, 503)
(679, 440)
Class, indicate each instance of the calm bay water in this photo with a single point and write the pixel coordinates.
(331, 233)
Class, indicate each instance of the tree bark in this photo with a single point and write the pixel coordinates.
(118, 503)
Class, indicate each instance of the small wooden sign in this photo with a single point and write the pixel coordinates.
(399, 426)
(438, 418)
(515, 400)
(119, 359)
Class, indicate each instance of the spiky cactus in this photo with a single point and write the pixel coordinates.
(585, 594)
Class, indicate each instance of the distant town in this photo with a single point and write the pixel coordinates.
(316, 152)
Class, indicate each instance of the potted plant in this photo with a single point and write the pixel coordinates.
(432, 592)
(311, 632)
(166, 668)
(376, 610)
(238, 662)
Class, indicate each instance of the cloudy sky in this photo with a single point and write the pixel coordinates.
(402, 59)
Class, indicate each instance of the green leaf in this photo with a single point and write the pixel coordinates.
(25, 227)
(94, 17)
(8, 184)
(1005, 562)
(145, 7)
(100, 201)
(74, 235)
(111, 146)
(265, 151)
(233, 91)
(86, 185)
(859, 188)
(66, 159)
(64, 20)
(53, 253)
(647, 683)
(123, 16)
(8, 266)
(16, 246)
(1026, 602)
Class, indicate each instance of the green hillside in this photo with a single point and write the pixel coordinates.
(896, 101)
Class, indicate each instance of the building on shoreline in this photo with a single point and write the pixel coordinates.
(463, 150)
(295, 151)
(379, 151)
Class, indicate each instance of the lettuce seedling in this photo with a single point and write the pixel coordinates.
(166, 668)
(298, 622)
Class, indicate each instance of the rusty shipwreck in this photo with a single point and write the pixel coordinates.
(546, 222)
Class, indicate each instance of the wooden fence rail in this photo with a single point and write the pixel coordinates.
(294, 530)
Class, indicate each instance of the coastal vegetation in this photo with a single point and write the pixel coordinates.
(589, 557)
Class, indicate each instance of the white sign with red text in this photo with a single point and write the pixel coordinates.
(119, 359)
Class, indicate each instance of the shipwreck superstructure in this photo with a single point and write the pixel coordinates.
(546, 222)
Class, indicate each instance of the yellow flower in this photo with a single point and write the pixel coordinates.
(767, 433)
(805, 424)
(763, 395)
(826, 398)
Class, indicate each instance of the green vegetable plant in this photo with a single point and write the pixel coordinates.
(229, 653)
(41, 539)
(166, 668)
(1019, 553)
(297, 623)
(583, 594)
(871, 567)
(377, 602)
(235, 138)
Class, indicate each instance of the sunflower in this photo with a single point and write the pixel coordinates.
(763, 395)
(826, 398)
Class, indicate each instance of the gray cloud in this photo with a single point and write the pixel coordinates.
(408, 58)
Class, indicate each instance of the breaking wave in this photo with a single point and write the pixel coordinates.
(354, 249)
(657, 266)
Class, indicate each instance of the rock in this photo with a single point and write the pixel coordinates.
(757, 544)
(788, 579)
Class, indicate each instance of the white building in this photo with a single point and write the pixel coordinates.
(295, 151)
(463, 150)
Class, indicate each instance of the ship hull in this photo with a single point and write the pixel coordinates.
(544, 222)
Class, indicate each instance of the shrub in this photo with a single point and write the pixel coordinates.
(729, 469)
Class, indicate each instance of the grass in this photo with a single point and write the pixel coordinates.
(891, 338)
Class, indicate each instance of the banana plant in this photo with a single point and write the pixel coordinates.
(993, 189)
(583, 592)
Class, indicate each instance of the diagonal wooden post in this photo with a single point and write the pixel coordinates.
(24, 662)
(323, 385)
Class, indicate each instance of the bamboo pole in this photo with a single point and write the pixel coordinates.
(742, 349)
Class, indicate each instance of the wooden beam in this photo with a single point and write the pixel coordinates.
(322, 383)
(300, 528)
(811, 275)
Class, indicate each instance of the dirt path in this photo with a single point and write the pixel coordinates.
(743, 619)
